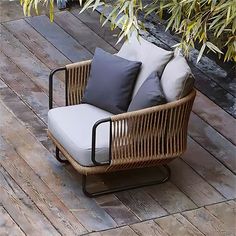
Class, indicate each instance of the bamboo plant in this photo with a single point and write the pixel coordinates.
(208, 23)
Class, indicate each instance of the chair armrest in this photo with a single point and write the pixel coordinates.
(51, 76)
(76, 77)
(149, 135)
(152, 134)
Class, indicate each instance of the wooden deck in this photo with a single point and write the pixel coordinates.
(39, 196)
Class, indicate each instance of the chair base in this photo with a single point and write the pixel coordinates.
(58, 156)
(165, 178)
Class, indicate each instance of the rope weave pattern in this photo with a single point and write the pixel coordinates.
(142, 138)
(148, 136)
(77, 78)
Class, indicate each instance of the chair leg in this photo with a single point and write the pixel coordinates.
(58, 156)
(123, 188)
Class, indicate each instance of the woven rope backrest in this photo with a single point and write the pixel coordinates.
(76, 78)
(146, 138)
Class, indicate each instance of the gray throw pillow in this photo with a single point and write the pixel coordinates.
(111, 82)
(149, 94)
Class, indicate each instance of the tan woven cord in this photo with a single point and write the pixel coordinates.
(77, 77)
(142, 138)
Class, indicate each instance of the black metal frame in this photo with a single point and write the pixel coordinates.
(51, 85)
(165, 178)
(94, 129)
(58, 157)
(93, 151)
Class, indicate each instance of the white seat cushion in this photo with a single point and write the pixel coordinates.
(72, 128)
(152, 57)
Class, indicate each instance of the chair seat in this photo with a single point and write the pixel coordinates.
(72, 126)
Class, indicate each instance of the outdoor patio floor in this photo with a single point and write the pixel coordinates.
(39, 196)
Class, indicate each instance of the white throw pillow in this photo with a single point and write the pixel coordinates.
(177, 80)
(152, 57)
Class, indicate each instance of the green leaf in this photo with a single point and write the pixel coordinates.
(201, 52)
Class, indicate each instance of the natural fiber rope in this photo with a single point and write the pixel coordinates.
(142, 138)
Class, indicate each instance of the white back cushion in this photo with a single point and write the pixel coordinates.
(177, 79)
(152, 57)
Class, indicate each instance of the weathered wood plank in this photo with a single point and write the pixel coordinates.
(10, 10)
(177, 225)
(59, 38)
(170, 197)
(226, 213)
(23, 86)
(29, 64)
(115, 208)
(211, 169)
(123, 231)
(119, 212)
(37, 44)
(48, 203)
(59, 180)
(141, 204)
(215, 116)
(149, 228)
(7, 225)
(92, 20)
(2, 84)
(193, 185)
(213, 142)
(21, 208)
(82, 33)
(23, 113)
(218, 95)
(206, 222)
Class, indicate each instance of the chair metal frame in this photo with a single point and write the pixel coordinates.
(155, 136)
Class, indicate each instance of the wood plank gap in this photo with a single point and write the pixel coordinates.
(22, 209)
(212, 171)
(8, 225)
(229, 139)
(222, 162)
(192, 184)
(215, 116)
(37, 44)
(42, 196)
(92, 20)
(59, 38)
(24, 87)
(85, 36)
(21, 100)
(63, 183)
(28, 63)
(177, 225)
(212, 141)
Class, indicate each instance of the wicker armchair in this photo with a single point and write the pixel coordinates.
(143, 138)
